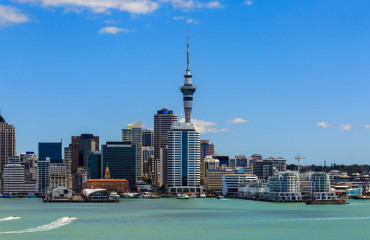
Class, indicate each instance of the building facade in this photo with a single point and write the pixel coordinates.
(120, 157)
(116, 185)
(52, 150)
(14, 178)
(7, 142)
(43, 176)
(133, 134)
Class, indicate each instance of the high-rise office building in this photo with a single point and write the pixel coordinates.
(43, 176)
(206, 149)
(95, 165)
(82, 146)
(120, 157)
(52, 150)
(183, 157)
(148, 137)
(7, 142)
(267, 167)
(68, 162)
(133, 134)
(163, 121)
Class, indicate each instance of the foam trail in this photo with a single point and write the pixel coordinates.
(9, 219)
(53, 225)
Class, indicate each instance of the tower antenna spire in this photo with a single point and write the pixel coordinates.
(188, 51)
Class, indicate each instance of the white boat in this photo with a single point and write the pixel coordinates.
(128, 195)
(193, 196)
(202, 195)
(114, 195)
(183, 196)
(220, 198)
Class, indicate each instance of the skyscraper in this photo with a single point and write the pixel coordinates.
(43, 176)
(120, 157)
(183, 157)
(82, 146)
(148, 137)
(206, 149)
(52, 150)
(133, 134)
(7, 142)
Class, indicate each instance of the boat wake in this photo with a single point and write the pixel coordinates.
(9, 219)
(53, 225)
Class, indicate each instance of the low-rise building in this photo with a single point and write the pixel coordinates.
(111, 185)
(61, 193)
(231, 183)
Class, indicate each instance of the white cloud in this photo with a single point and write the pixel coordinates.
(101, 6)
(367, 126)
(208, 127)
(346, 126)
(237, 120)
(190, 4)
(248, 2)
(323, 124)
(112, 30)
(10, 15)
(192, 21)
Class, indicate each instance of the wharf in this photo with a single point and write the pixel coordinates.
(79, 200)
(272, 200)
(326, 202)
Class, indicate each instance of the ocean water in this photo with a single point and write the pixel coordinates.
(182, 219)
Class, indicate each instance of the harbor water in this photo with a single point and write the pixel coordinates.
(182, 219)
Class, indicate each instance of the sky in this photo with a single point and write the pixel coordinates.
(274, 77)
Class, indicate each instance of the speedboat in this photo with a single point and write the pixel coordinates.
(202, 195)
(183, 196)
(114, 195)
(220, 198)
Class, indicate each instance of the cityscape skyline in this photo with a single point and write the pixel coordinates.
(280, 117)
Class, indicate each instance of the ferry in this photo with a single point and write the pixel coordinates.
(220, 198)
(31, 195)
(183, 196)
(114, 195)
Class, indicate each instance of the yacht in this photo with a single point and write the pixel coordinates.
(128, 195)
(114, 195)
(183, 196)
(220, 198)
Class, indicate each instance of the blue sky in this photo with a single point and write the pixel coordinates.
(297, 71)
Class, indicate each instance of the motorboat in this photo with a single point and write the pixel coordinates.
(183, 196)
(128, 195)
(114, 195)
(220, 198)
(7, 195)
(202, 195)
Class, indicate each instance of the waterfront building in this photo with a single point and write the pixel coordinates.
(94, 168)
(82, 146)
(214, 178)
(231, 183)
(61, 192)
(52, 150)
(320, 186)
(133, 134)
(267, 167)
(148, 137)
(43, 176)
(183, 159)
(14, 178)
(58, 174)
(7, 142)
(111, 185)
(121, 159)
(285, 186)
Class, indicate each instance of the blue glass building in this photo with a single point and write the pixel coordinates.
(53, 150)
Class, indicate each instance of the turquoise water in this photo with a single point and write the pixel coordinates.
(182, 219)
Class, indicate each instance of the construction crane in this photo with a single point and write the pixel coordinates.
(299, 158)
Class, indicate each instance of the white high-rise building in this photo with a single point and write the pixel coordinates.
(14, 178)
(183, 160)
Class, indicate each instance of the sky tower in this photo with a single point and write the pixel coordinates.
(188, 89)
